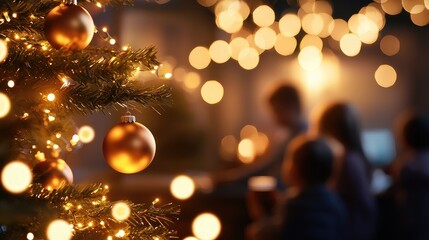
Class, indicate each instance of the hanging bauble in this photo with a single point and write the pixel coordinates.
(129, 147)
(69, 27)
(53, 174)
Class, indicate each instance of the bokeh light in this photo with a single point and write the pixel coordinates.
(391, 7)
(190, 238)
(261, 143)
(50, 97)
(263, 16)
(350, 44)
(219, 51)
(420, 19)
(199, 57)
(11, 83)
(236, 45)
(310, 58)
(3, 50)
(192, 80)
(212, 92)
(248, 131)
(311, 40)
(248, 58)
(206, 226)
(228, 147)
(246, 151)
(262, 183)
(182, 187)
(339, 28)
(230, 21)
(312, 23)
(285, 45)
(290, 25)
(390, 45)
(207, 3)
(59, 230)
(265, 38)
(121, 211)
(385, 75)
(86, 134)
(30, 236)
(4, 105)
(16, 176)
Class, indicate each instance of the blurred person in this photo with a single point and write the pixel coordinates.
(340, 121)
(286, 107)
(309, 211)
(412, 178)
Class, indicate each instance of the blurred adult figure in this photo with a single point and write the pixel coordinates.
(412, 192)
(309, 211)
(285, 104)
(340, 121)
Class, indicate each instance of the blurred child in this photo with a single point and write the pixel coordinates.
(310, 211)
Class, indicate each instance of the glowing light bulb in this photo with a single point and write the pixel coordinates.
(182, 187)
(59, 230)
(30, 236)
(212, 92)
(206, 226)
(11, 83)
(4, 105)
(50, 97)
(86, 134)
(121, 211)
(16, 176)
(112, 41)
(120, 233)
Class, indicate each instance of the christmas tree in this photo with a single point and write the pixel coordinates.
(49, 73)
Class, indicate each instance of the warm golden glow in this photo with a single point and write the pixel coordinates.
(16, 176)
(236, 45)
(190, 238)
(182, 187)
(219, 51)
(121, 211)
(212, 92)
(86, 134)
(4, 105)
(262, 183)
(248, 58)
(285, 45)
(326, 30)
(385, 76)
(11, 83)
(290, 25)
(263, 16)
(230, 21)
(390, 45)
(311, 40)
(350, 44)
(3, 50)
(206, 226)
(312, 23)
(339, 29)
(30, 236)
(59, 230)
(391, 7)
(261, 142)
(310, 58)
(192, 80)
(199, 57)
(265, 38)
(246, 151)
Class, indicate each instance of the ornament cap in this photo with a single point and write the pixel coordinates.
(128, 118)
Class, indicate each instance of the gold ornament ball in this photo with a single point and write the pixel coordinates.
(69, 27)
(53, 174)
(129, 147)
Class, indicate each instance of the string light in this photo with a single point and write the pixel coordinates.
(11, 83)
(120, 233)
(99, 5)
(16, 176)
(104, 29)
(121, 211)
(112, 41)
(30, 236)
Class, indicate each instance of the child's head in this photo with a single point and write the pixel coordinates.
(309, 161)
(415, 131)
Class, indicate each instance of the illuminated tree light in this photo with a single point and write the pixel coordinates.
(59, 230)
(182, 187)
(206, 226)
(16, 176)
(50, 97)
(86, 134)
(121, 211)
